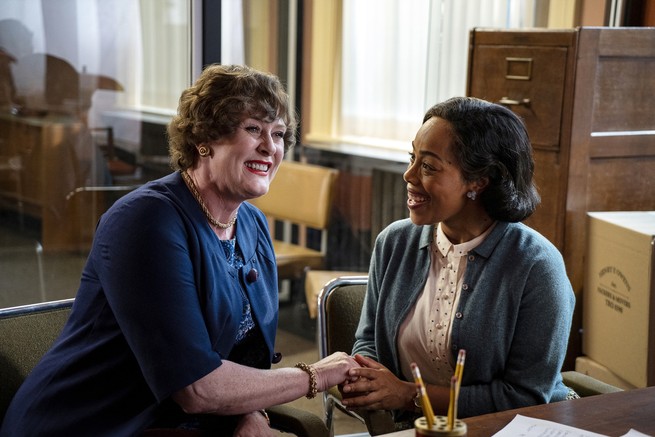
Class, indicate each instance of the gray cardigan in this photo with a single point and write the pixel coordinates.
(513, 318)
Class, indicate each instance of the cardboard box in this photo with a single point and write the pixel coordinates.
(618, 315)
(596, 370)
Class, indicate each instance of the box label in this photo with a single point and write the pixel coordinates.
(615, 288)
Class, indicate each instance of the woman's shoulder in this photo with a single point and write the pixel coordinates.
(522, 237)
(166, 191)
(528, 235)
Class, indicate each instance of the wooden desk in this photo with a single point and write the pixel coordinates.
(611, 414)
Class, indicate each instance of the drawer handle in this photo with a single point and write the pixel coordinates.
(505, 101)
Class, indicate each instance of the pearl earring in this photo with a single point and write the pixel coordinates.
(471, 195)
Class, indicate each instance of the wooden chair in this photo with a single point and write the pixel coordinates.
(28, 331)
(301, 195)
(339, 309)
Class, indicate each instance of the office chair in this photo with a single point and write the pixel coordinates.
(28, 331)
(300, 194)
(339, 307)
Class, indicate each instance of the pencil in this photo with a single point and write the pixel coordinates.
(450, 422)
(425, 400)
(455, 385)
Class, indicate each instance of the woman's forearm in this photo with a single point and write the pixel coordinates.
(235, 389)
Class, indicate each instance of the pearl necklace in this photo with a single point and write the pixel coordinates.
(194, 190)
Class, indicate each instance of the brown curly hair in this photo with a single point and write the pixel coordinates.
(215, 105)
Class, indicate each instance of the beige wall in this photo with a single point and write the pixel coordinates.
(567, 13)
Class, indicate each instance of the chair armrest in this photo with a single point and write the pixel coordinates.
(377, 421)
(586, 385)
(300, 422)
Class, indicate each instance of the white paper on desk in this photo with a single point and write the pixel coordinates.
(522, 426)
(635, 433)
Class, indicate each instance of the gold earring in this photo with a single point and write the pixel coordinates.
(203, 151)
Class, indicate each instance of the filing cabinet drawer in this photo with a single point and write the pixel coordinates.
(530, 80)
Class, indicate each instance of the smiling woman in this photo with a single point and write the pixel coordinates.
(459, 266)
(173, 258)
(230, 134)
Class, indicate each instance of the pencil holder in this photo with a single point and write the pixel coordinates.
(440, 427)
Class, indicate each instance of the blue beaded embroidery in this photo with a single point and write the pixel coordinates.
(235, 259)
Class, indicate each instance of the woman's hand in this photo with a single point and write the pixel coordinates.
(254, 424)
(334, 370)
(374, 387)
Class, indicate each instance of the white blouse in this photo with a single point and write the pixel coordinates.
(424, 336)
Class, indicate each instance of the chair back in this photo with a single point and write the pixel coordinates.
(26, 334)
(300, 193)
(301, 196)
(339, 308)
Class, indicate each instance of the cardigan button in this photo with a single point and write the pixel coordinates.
(465, 287)
(252, 275)
(459, 315)
(471, 257)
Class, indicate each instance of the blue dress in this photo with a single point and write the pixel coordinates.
(159, 306)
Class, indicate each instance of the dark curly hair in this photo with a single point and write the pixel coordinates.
(491, 141)
(215, 105)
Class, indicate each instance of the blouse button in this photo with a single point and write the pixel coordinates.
(459, 315)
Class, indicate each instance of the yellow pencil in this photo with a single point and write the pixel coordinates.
(455, 385)
(451, 405)
(425, 400)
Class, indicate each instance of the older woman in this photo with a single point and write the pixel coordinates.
(174, 322)
(463, 273)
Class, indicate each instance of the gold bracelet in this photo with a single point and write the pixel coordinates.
(311, 393)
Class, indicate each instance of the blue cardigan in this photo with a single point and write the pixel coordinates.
(158, 308)
(513, 318)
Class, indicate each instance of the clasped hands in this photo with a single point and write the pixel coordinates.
(374, 387)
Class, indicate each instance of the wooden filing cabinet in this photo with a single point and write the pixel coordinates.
(587, 96)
